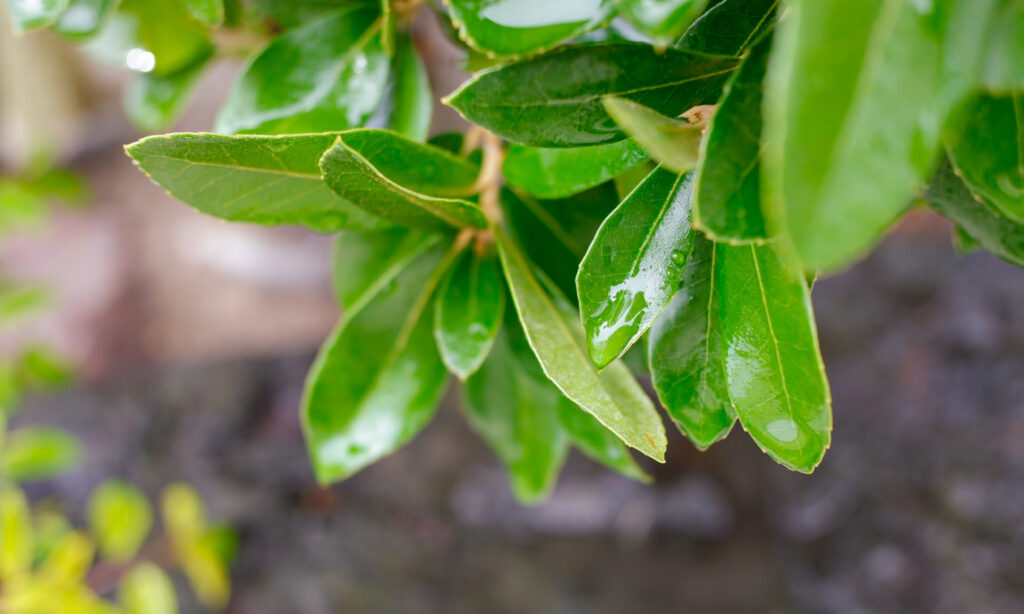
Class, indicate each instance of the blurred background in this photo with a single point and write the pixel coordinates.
(190, 338)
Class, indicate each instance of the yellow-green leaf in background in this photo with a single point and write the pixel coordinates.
(146, 589)
(120, 518)
(16, 537)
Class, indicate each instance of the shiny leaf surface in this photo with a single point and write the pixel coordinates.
(366, 262)
(613, 397)
(772, 363)
(389, 176)
(164, 29)
(512, 405)
(662, 20)
(988, 150)
(517, 27)
(985, 225)
(555, 100)
(729, 26)
(469, 310)
(330, 74)
(873, 106)
(263, 179)
(378, 379)
(635, 264)
(687, 363)
(120, 518)
(412, 98)
(561, 172)
(673, 143)
(728, 204)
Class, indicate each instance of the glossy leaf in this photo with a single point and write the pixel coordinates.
(988, 150)
(728, 203)
(772, 363)
(37, 453)
(366, 262)
(146, 589)
(662, 20)
(554, 234)
(613, 397)
(686, 358)
(83, 18)
(120, 518)
(512, 405)
(378, 379)
(210, 12)
(635, 264)
(154, 102)
(469, 310)
(34, 14)
(852, 133)
(412, 98)
(358, 180)
(728, 27)
(673, 143)
(555, 100)
(561, 172)
(16, 539)
(517, 27)
(598, 443)
(164, 29)
(263, 179)
(999, 235)
(330, 74)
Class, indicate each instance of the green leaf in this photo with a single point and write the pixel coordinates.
(146, 589)
(16, 539)
(184, 515)
(559, 172)
(262, 179)
(613, 396)
(412, 98)
(37, 453)
(555, 234)
(772, 363)
(512, 405)
(18, 301)
(662, 20)
(555, 100)
(671, 142)
(963, 242)
(401, 180)
(210, 12)
(166, 30)
(686, 356)
(330, 74)
(84, 18)
(154, 102)
(1002, 70)
(598, 443)
(728, 203)
(635, 264)
(948, 194)
(388, 26)
(855, 103)
(728, 27)
(120, 518)
(291, 13)
(518, 27)
(378, 379)
(365, 263)
(469, 310)
(29, 15)
(988, 150)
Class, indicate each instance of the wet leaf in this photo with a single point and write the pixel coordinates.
(329, 74)
(729, 26)
(613, 397)
(378, 379)
(366, 263)
(262, 179)
(412, 98)
(561, 172)
(635, 264)
(686, 353)
(517, 27)
(671, 142)
(469, 310)
(662, 20)
(555, 100)
(120, 518)
(728, 203)
(772, 363)
(988, 150)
